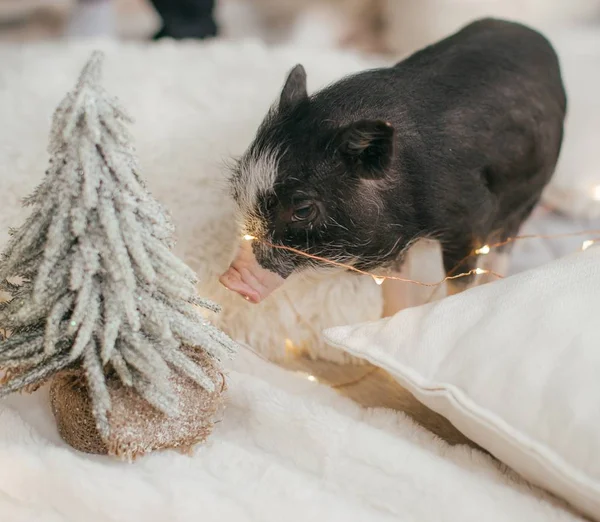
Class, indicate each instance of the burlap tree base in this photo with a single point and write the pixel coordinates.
(136, 428)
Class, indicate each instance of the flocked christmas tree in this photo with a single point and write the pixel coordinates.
(102, 290)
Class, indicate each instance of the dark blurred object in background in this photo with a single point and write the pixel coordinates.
(179, 19)
(186, 18)
(392, 27)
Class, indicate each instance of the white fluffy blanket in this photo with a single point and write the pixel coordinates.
(286, 448)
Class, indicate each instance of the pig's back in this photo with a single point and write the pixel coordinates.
(484, 70)
(489, 101)
(490, 62)
(478, 116)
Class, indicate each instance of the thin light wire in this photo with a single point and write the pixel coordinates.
(547, 236)
(474, 271)
(526, 236)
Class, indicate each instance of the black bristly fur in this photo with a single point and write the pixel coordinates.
(455, 143)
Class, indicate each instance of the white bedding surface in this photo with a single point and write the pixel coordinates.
(286, 449)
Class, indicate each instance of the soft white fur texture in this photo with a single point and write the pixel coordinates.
(286, 449)
(514, 365)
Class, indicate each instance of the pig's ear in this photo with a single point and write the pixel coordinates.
(367, 147)
(294, 89)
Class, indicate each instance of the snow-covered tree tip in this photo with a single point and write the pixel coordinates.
(92, 70)
(101, 288)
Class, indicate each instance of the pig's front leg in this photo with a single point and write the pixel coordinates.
(497, 261)
(423, 263)
(459, 259)
(395, 294)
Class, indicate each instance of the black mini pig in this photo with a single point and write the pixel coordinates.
(454, 143)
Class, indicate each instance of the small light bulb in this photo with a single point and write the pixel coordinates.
(379, 279)
(248, 237)
(596, 193)
(307, 376)
(480, 271)
(485, 249)
(587, 244)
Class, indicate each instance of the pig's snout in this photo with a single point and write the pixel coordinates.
(246, 277)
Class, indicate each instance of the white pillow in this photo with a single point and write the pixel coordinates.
(514, 365)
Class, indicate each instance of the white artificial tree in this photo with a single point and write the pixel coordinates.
(101, 288)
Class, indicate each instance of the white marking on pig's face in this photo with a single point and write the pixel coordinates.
(254, 177)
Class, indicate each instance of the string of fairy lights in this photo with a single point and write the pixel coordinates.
(481, 251)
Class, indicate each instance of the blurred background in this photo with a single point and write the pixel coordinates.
(372, 26)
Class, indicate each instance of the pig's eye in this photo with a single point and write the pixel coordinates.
(305, 211)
